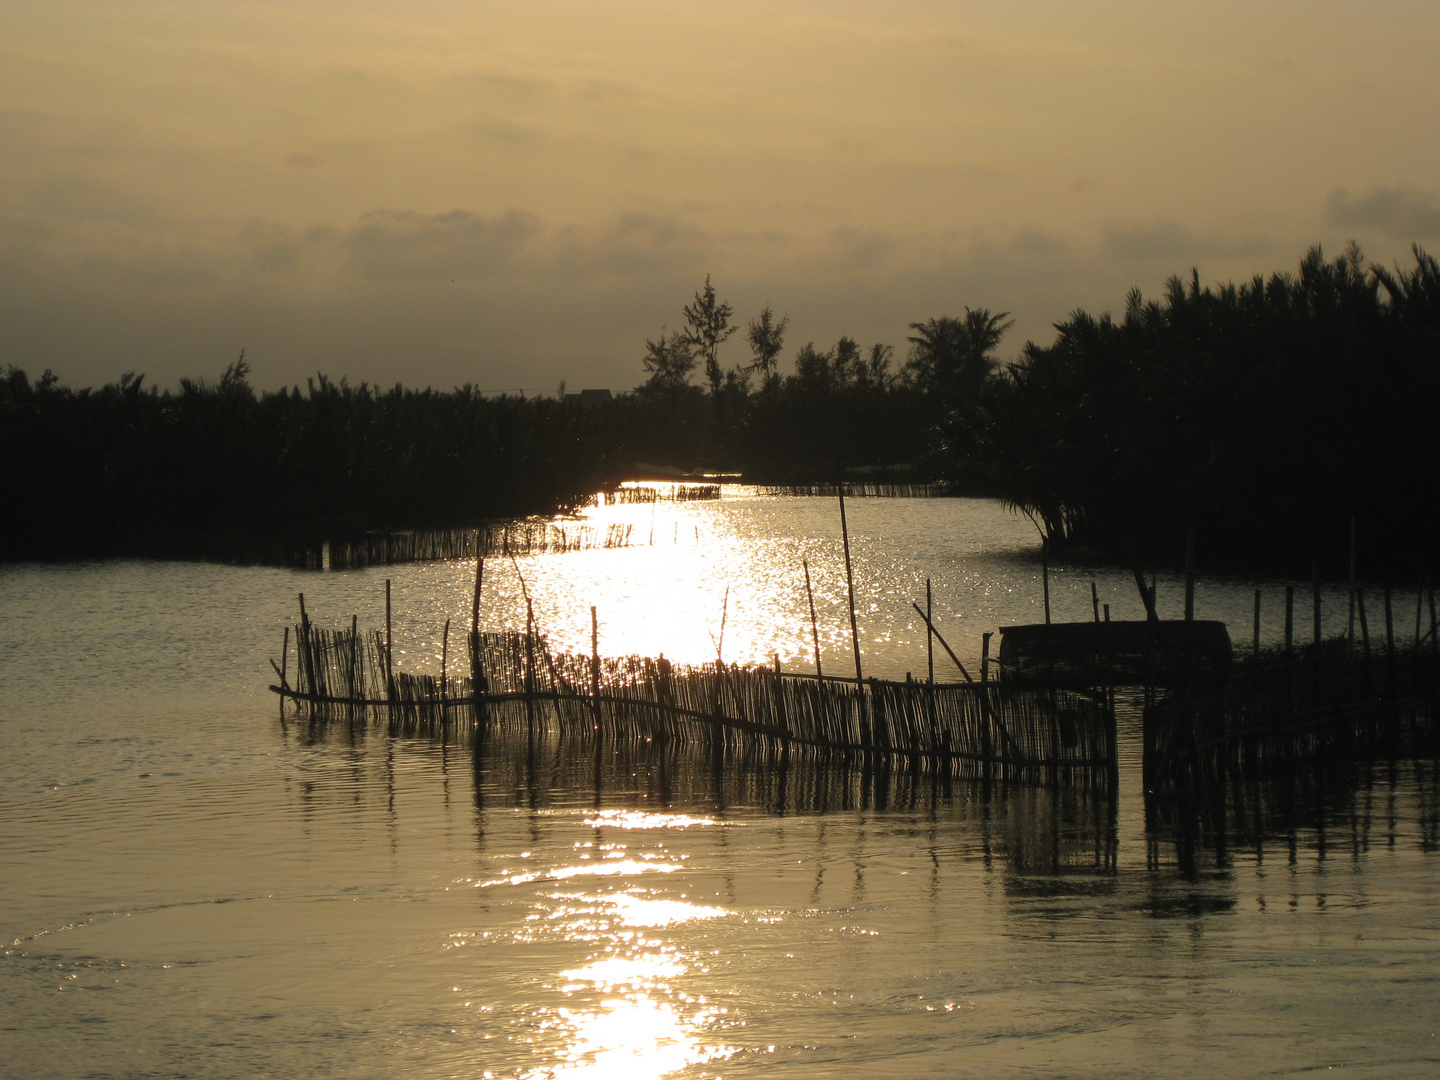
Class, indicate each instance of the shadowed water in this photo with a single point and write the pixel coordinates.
(192, 887)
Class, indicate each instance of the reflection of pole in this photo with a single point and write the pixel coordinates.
(850, 584)
(814, 626)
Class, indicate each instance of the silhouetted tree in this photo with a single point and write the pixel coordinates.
(708, 327)
(951, 358)
(767, 341)
(669, 360)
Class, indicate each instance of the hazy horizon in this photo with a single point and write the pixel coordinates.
(515, 196)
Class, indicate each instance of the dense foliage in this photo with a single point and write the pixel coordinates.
(217, 470)
(1265, 416)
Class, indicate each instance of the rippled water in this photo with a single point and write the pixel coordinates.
(192, 888)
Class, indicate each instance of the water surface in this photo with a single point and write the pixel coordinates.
(192, 887)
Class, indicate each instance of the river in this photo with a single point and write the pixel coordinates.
(193, 886)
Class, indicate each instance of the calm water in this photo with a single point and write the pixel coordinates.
(191, 888)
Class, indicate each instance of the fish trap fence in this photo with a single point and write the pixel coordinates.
(1330, 699)
(859, 489)
(509, 538)
(516, 679)
(629, 496)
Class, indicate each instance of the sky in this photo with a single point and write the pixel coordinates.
(514, 194)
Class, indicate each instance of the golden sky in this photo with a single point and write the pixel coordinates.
(511, 194)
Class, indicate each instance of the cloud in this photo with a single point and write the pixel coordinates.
(79, 198)
(861, 249)
(1406, 213)
(273, 248)
(403, 245)
(636, 243)
(1169, 240)
(1037, 243)
(498, 129)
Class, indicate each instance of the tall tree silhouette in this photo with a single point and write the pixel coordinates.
(707, 327)
(767, 340)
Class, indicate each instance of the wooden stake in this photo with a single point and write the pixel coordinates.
(724, 614)
(389, 648)
(850, 585)
(285, 663)
(929, 636)
(595, 664)
(1190, 574)
(1289, 619)
(1359, 600)
(814, 626)
(943, 643)
(1045, 575)
(1389, 626)
(479, 579)
(444, 656)
(1095, 599)
(1350, 624)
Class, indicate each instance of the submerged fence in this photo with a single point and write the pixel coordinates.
(1330, 699)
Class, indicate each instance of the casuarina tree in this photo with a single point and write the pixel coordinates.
(707, 327)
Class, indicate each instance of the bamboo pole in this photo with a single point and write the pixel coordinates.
(303, 671)
(1350, 624)
(850, 585)
(929, 636)
(389, 653)
(1358, 598)
(943, 643)
(479, 579)
(595, 665)
(285, 663)
(724, 614)
(444, 657)
(1190, 574)
(1045, 574)
(1289, 619)
(987, 743)
(814, 626)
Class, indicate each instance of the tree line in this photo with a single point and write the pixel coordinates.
(1263, 417)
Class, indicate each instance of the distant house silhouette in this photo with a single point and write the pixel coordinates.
(591, 399)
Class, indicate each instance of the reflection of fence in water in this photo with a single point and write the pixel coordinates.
(1022, 827)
